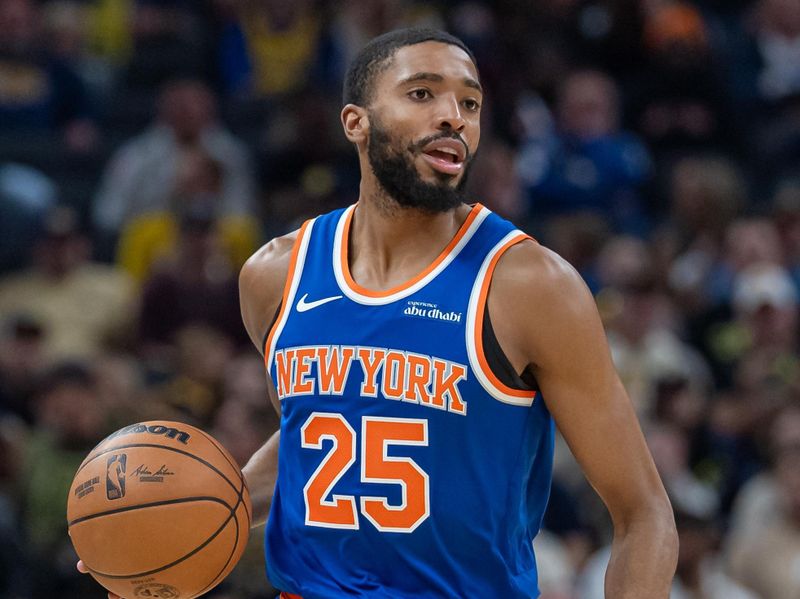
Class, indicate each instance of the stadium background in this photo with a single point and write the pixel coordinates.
(148, 146)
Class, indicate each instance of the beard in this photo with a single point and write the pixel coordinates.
(398, 176)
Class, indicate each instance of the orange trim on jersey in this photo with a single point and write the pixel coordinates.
(484, 294)
(290, 596)
(287, 286)
(380, 294)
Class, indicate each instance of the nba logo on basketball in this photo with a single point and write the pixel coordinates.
(115, 476)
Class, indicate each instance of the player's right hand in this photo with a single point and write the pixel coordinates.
(84, 570)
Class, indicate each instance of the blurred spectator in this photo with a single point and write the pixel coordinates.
(16, 573)
(642, 324)
(109, 34)
(556, 572)
(749, 242)
(197, 284)
(786, 216)
(25, 195)
(765, 303)
(68, 25)
(705, 195)
(777, 38)
(765, 561)
(21, 364)
(494, 180)
(154, 236)
(244, 417)
(579, 239)
(70, 420)
(192, 370)
(758, 507)
(588, 162)
(39, 91)
(142, 176)
(355, 22)
(766, 299)
(271, 48)
(678, 102)
(168, 40)
(670, 448)
(121, 385)
(81, 306)
(701, 573)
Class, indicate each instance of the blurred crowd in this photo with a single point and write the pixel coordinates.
(147, 147)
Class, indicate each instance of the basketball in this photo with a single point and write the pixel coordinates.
(159, 510)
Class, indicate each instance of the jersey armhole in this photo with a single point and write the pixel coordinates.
(293, 276)
(476, 318)
(269, 328)
(499, 363)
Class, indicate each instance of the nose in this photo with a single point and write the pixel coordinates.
(449, 116)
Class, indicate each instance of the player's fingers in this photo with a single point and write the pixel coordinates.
(113, 596)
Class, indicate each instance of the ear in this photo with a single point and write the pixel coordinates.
(356, 123)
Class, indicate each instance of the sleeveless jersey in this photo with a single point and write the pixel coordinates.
(406, 469)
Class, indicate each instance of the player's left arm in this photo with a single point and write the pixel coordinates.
(550, 322)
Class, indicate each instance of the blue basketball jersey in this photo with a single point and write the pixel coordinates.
(407, 469)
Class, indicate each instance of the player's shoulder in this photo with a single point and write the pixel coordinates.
(540, 302)
(271, 260)
(261, 282)
(536, 280)
(530, 264)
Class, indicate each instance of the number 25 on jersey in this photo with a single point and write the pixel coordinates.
(377, 434)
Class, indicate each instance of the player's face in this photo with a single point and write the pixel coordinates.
(425, 125)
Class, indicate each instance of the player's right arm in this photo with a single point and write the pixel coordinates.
(261, 283)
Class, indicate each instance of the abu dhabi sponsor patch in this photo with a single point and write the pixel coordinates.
(431, 312)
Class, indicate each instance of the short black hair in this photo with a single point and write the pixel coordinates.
(376, 56)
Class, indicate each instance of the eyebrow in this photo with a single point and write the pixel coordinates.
(436, 78)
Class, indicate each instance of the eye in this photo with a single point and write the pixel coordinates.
(472, 105)
(420, 94)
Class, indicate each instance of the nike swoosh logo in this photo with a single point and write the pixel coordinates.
(303, 306)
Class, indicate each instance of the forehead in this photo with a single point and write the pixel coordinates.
(447, 60)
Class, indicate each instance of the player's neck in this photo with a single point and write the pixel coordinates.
(389, 246)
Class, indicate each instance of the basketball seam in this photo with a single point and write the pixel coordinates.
(216, 445)
(214, 581)
(235, 466)
(219, 448)
(146, 505)
(239, 492)
(176, 562)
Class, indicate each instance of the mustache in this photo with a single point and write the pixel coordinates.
(417, 147)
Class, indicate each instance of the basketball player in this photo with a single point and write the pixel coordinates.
(419, 350)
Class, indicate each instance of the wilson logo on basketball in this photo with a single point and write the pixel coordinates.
(172, 540)
(115, 476)
(153, 429)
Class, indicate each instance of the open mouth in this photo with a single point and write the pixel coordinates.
(445, 156)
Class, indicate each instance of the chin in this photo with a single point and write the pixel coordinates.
(434, 177)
